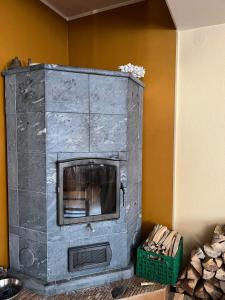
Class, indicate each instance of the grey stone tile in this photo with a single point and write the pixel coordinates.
(31, 132)
(33, 258)
(133, 95)
(123, 173)
(123, 156)
(30, 90)
(139, 195)
(108, 95)
(77, 155)
(139, 174)
(14, 230)
(67, 92)
(133, 151)
(132, 125)
(119, 254)
(51, 172)
(52, 226)
(67, 132)
(108, 132)
(32, 210)
(57, 267)
(133, 167)
(132, 193)
(10, 93)
(133, 241)
(13, 207)
(11, 132)
(14, 251)
(123, 205)
(33, 235)
(31, 172)
(132, 206)
(140, 121)
(12, 169)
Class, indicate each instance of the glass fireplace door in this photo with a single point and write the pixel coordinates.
(88, 190)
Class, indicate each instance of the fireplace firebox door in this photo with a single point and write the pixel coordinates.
(88, 190)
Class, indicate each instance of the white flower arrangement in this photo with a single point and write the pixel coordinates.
(136, 71)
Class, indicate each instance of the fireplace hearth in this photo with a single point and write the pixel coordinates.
(74, 149)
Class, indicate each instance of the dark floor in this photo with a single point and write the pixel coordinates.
(100, 293)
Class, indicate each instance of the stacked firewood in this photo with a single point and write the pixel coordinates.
(162, 240)
(204, 276)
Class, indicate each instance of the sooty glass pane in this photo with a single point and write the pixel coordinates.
(89, 190)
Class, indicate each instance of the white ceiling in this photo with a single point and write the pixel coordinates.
(74, 9)
(189, 14)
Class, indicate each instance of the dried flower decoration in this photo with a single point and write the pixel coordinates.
(136, 71)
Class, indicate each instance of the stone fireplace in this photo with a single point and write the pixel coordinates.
(74, 148)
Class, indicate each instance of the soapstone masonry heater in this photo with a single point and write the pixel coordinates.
(74, 148)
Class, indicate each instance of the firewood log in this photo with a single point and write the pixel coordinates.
(197, 265)
(210, 251)
(177, 296)
(219, 229)
(176, 244)
(183, 274)
(192, 273)
(219, 247)
(172, 246)
(169, 239)
(155, 229)
(219, 234)
(147, 283)
(207, 274)
(219, 262)
(222, 286)
(214, 282)
(218, 238)
(200, 292)
(197, 254)
(179, 286)
(179, 290)
(159, 233)
(189, 286)
(152, 246)
(223, 257)
(210, 265)
(220, 274)
(166, 233)
(214, 292)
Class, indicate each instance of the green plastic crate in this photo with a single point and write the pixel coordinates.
(158, 267)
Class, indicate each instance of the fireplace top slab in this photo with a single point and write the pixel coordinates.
(54, 67)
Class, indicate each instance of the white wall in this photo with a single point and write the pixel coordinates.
(199, 178)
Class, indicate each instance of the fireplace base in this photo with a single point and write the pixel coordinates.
(64, 286)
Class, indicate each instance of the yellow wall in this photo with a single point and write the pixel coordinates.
(28, 29)
(142, 34)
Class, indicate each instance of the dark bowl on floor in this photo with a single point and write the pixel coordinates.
(10, 288)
